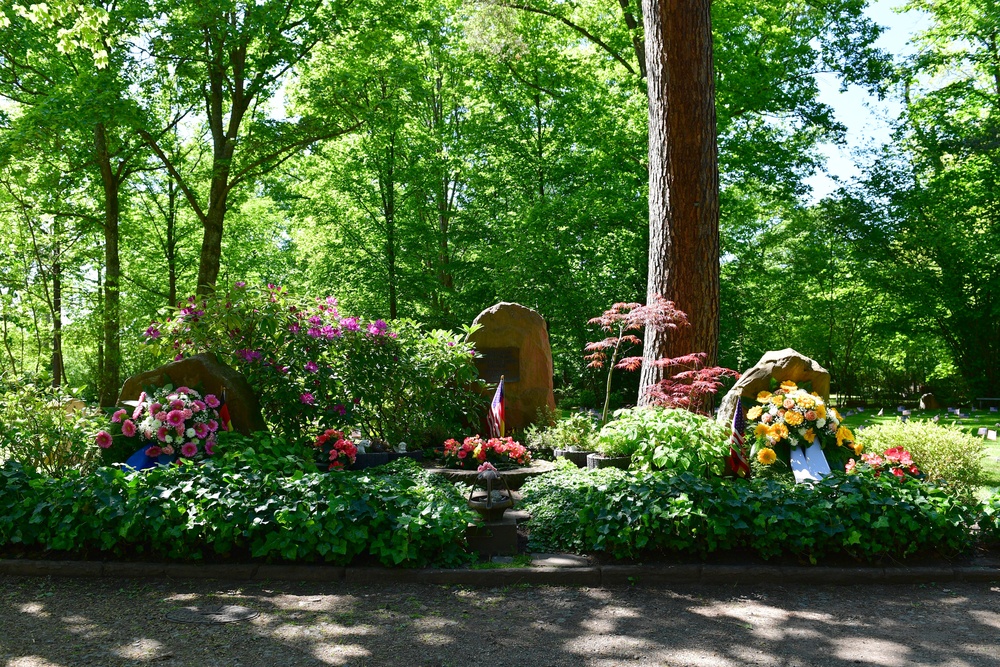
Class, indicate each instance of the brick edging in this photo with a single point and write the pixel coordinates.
(596, 576)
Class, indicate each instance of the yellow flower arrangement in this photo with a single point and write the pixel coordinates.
(844, 435)
(794, 418)
(767, 456)
(777, 432)
(858, 448)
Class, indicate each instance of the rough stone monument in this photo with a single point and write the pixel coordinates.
(206, 374)
(514, 343)
(781, 365)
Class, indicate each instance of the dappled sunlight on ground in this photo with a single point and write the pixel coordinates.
(70, 623)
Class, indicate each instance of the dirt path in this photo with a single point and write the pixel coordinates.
(48, 622)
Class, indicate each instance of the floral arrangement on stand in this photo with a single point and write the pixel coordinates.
(793, 417)
(335, 450)
(177, 423)
(473, 451)
(897, 461)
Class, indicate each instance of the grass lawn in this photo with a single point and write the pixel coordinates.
(976, 420)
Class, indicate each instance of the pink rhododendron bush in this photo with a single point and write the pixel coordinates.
(316, 367)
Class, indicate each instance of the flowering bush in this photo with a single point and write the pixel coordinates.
(175, 421)
(897, 460)
(792, 417)
(335, 450)
(501, 452)
(311, 364)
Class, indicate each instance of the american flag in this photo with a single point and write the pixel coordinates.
(497, 415)
(736, 462)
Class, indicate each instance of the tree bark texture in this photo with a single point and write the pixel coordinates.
(110, 377)
(683, 179)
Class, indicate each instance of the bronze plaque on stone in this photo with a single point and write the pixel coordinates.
(497, 361)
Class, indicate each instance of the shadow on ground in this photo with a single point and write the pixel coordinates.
(48, 622)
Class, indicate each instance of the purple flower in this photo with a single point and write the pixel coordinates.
(330, 333)
(161, 433)
(175, 418)
(248, 355)
(340, 409)
(197, 406)
(178, 357)
(152, 332)
(377, 328)
(307, 398)
(212, 401)
(201, 430)
(128, 428)
(189, 449)
(210, 448)
(294, 327)
(316, 320)
(118, 416)
(331, 301)
(177, 404)
(311, 366)
(160, 416)
(182, 390)
(212, 425)
(240, 284)
(350, 323)
(153, 451)
(187, 413)
(103, 439)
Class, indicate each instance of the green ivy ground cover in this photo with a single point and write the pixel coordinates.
(633, 515)
(399, 515)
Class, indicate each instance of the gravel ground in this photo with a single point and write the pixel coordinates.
(48, 622)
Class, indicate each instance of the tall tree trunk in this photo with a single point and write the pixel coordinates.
(110, 380)
(683, 179)
(57, 356)
(389, 210)
(171, 244)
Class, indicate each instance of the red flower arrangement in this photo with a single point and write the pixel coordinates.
(335, 450)
(471, 452)
(897, 460)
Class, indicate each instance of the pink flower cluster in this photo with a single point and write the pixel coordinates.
(176, 421)
(336, 448)
(473, 451)
(897, 460)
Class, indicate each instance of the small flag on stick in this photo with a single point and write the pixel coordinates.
(227, 422)
(497, 415)
(736, 462)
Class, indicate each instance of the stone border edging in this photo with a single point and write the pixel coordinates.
(596, 577)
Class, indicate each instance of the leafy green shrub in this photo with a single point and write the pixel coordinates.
(578, 432)
(315, 367)
(989, 520)
(628, 515)
(943, 453)
(399, 516)
(666, 439)
(45, 429)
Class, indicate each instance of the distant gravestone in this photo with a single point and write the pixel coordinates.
(781, 365)
(991, 435)
(204, 373)
(513, 342)
(928, 402)
(982, 431)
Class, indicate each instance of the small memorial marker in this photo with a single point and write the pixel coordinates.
(880, 412)
(993, 408)
(991, 435)
(907, 413)
(982, 431)
(861, 409)
(900, 408)
(936, 419)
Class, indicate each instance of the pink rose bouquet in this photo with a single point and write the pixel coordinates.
(177, 422)
(473, 451)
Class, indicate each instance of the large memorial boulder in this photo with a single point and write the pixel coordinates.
(781, 365)
(514, 343)
(206, 374)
